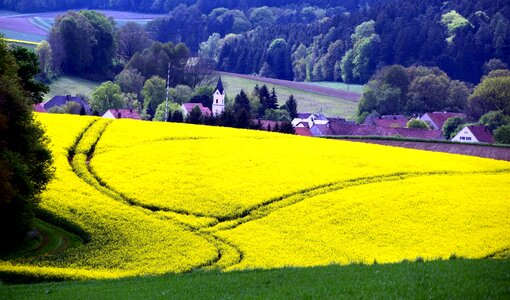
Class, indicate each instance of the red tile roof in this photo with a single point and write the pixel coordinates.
(125, 114)
(482, 134)
(439, 118)
(303, 131)
(205, 110)
(39, 108)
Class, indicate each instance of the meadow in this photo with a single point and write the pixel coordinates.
(67, 85)
(149, 198)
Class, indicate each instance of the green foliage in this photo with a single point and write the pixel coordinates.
(452, 126)
(28, 68)
(262, 16)
(291, 106)
(419, 124)
(502, 135)
(173, 108)
(210, 49)
(130, 81)
(70, 107)
(493, 93)
(45, 55)
(154, 93)
(277, 115)
(25, 160)
(195, 116)
(278, 62)
(453, 22)
(494, 120)
(106, 96)
(132, 38)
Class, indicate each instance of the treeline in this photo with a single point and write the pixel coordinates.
(164, 6)
(457, 36)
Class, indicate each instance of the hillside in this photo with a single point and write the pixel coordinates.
(151, 198)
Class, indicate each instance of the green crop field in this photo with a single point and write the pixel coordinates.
(307, 102)
(340, 85)
(67, 85)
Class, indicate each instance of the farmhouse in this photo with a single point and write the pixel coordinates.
(310, 119)
(474, 134)
(188, 107)
(121, 114)
(396, 121)
(437, 119)
(62, 100)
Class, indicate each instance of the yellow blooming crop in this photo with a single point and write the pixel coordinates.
(159, 197)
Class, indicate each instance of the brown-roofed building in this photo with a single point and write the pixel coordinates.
(122, 114)
(349, 129)
(437, 119)
(474, 134)
(188, 107)
(303, 131)
(396, 121)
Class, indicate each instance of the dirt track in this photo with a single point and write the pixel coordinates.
(472, 150)
(331, 92)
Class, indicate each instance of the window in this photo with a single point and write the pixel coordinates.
(216, 101)
(462, 138)
(468, 138)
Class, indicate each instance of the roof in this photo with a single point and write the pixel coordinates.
(219, 86)
(62, 100)
(303, 116)
(321, 129)
(189, 107)
(39, 108)
(482, 134)
(439, 118)
(303, 124)
(124, 114)
(303, 131)
(342, 128)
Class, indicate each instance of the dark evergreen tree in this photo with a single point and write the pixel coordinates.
(291, 106)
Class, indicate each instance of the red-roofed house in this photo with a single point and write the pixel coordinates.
(39, 108)
(474, 134)
(122, 114)
(188, 107)
(437, 119)
(303, 131)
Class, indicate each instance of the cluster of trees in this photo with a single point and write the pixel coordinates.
(25, 159)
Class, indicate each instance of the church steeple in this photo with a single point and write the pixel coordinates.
(218, 106)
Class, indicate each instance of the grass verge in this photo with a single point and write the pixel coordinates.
(457, 279)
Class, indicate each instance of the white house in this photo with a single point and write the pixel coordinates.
(474, 134)
(218, 105)
(436, 119)
(304, 119)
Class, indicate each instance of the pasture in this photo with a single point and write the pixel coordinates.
(151, 198)
(67, 85)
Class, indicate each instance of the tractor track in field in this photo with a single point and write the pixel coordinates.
(208, 232)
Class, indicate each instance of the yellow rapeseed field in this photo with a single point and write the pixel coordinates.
(157, 198)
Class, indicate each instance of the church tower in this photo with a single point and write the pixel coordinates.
(218, 99)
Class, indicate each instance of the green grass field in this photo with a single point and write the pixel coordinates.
(67, 85)
(307, 102)
(457, 279)
(340, 85)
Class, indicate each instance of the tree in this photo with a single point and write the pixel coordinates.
(173, 108)
(28, 68)
(242, 102)
(154, 93)
(494, 92)
(494, 119)
(132, 38)
(263, 94)
(195, 116)
(278, 63)
(25, 158)
(291, 106)
(70, 107)
(502, 135)
(130, 81)
(418, 124)
(494, 64)
(210, 49)
(106, 96)
(262, 16)
(277, 115)
(45, 55)
(452, 126)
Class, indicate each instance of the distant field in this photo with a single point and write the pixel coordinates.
(67, 85)
(35, 27)
(340, 85)
(307, 101)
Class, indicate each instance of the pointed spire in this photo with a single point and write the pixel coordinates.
(219, 86)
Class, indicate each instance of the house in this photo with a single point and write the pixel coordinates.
(62, 100)
(303, 131)
(188, 107)
(218, 106)
(474, 134)
(122, 114)
(310, 119)
(340, 128)
(396, 121)
(437, 119)
(39, 108)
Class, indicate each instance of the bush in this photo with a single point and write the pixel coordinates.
(419, 124)
(502, 135)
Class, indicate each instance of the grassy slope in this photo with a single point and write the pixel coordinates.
(438, 279)
(67, 85)
(340, 85)
(307, 102)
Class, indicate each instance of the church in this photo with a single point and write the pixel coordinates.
(218, 105)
